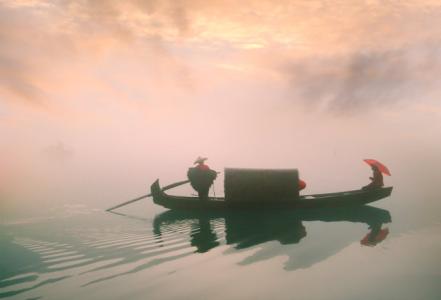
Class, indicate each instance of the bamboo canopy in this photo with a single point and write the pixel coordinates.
(260, 184)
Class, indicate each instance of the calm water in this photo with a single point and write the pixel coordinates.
(81, 252)
(100, 98)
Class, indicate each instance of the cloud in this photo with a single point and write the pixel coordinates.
(29, 50)
(13, 77)
(14, 72)
(339, 56)
(173, 13)
(366, 79)
(41, 42)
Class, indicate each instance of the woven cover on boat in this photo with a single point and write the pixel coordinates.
(246, 185)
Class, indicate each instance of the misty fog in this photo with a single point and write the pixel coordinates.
(99, 100)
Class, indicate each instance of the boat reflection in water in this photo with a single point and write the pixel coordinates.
(96, 248)
(202, 236)
(242, 230)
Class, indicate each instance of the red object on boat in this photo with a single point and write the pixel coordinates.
(372, 241)
(302, 184)
(203, 167)
(382, 168)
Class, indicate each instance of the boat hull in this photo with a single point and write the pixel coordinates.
(347, 198)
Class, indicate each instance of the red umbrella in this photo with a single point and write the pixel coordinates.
(382, 168)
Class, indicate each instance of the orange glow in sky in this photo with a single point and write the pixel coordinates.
(248, 83)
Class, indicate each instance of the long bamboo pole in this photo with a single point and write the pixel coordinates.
(170, 186)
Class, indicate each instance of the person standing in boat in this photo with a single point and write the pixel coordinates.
(201, 177)
(376, 179)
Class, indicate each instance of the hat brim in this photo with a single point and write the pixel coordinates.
(200, 160)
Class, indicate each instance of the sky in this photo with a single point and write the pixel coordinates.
(122, 92)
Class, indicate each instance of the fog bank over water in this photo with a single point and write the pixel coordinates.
(97, 100)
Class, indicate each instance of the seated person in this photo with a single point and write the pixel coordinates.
(376, 179)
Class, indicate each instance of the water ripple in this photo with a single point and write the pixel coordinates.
(97, 252)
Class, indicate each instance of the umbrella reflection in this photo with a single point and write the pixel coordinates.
(375, 236)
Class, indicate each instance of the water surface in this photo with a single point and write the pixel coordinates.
(317, 254)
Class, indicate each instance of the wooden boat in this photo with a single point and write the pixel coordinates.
(370, 215)
(328, 200)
